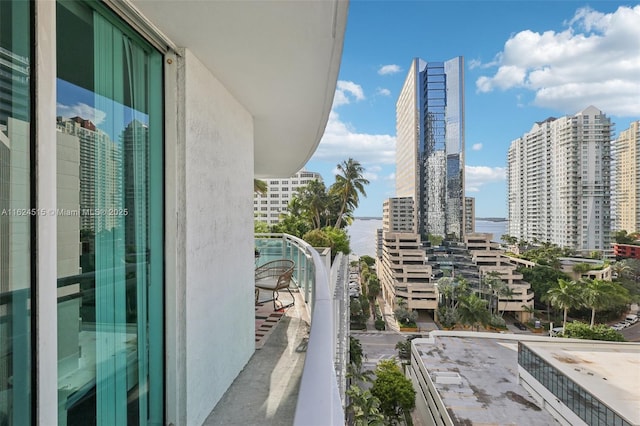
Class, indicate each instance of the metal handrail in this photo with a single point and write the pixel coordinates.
(319, 400)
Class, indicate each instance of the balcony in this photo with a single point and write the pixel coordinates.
(298, 375)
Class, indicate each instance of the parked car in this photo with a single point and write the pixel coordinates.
(520, 325)
(555, 331)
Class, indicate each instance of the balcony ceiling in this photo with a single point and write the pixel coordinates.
(280, 59)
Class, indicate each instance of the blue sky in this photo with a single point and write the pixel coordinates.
(524, 61)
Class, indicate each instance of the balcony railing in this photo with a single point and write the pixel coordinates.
(319, 398)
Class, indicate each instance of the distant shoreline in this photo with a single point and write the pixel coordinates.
(488, 219)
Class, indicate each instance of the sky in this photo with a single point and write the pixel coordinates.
(524, 61)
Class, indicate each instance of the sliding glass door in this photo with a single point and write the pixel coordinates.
(109, 214)
(15, 218)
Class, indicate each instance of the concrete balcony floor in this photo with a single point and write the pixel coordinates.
(266, 390)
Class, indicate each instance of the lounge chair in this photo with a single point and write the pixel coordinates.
(275, 276)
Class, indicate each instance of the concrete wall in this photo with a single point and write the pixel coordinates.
(214, 334)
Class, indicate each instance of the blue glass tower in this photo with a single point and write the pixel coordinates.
(430, 131)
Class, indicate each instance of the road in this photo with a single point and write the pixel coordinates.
(378, 346)
(632, 333)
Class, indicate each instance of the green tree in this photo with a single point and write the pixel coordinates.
(363, 408)
(565, 295)
(495, 286)
(541, 278)
(348, 186)
(404, 348)
(295, 221)
(373, 287)
(622, 237)
(509, 239)
(473, 311)
(317, 238)
(599, 294)
(394, 390)
(404, 316)
(507, 292)
(260, 227)
(355, 353)
(339, 240)
(370, 261)
(315, 203)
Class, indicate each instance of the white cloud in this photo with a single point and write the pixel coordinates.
(477, 176)
(345, 91)
(383, 92)
(369, 175)
(595, 61)
(391, 176)
(81, 110)
(341, 141)
(476, 146)
(389, 69)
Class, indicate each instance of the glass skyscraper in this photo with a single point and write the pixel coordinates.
(430, 146)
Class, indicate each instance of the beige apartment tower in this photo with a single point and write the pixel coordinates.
(559, 182)
(627, 179)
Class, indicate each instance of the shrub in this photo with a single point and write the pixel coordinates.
(447, 317)
(380, 324)
(579, 330)
(405, 317)
(497, 322)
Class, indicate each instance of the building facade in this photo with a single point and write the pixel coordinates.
(269, 206)
(130, 134)
(403, 269)
(397, 215)
(626, 152)
(559, 182)
(469, 215)
(430, 146)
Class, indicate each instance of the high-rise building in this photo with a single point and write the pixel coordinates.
(269, 206)
(558, 178)
(403, 269)
(397, 215)
(626, 152)
(469, 215)
(430, 145)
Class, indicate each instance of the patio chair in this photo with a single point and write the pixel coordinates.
(274, 276)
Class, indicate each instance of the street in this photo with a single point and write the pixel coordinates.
(378, 346)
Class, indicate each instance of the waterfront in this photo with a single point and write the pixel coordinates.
(362, 233)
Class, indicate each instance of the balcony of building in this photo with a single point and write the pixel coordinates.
(297, 374)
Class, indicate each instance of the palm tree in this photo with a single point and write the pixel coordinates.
(620, 268)
(349, 183)
(565, 295)
(507, 292)
(472, 311)
(314, 199)
(600, 294)
(530, 309)
(363, 408)
(495, 285)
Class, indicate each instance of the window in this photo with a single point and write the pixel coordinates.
(109, 191)
(15, 222)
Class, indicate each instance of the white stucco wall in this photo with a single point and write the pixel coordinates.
(214, 177)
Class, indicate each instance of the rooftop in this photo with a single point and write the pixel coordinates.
(486, 390)
(610, 372)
